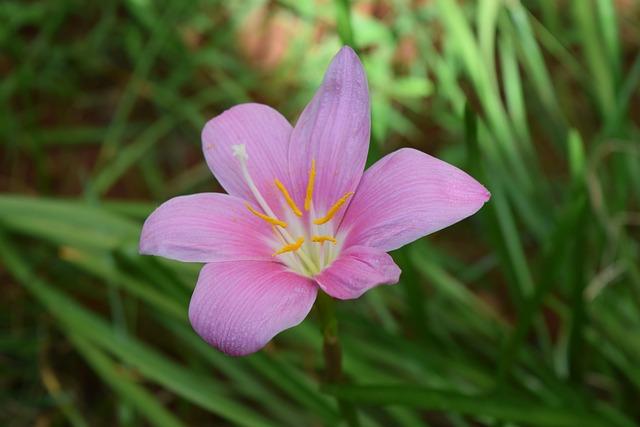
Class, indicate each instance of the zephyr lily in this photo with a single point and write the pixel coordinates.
(301, 213)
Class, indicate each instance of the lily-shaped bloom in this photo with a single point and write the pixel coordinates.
(300, 213)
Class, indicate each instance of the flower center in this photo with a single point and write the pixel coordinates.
(306, 243)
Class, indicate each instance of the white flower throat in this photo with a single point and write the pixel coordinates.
(307, 246)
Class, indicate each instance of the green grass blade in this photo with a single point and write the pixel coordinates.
(125, 387)
(499, 408)
(77, 320)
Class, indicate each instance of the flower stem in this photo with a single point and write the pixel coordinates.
(332, 352)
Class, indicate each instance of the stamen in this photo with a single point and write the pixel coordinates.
(312, 178)
(290, 247)
(322, 239)
(288, 198)
(240, 152)
(270, 220)
(332, 211)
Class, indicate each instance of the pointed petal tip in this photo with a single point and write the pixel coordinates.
(461, 187)
(347, 57)
(486, 194)
(347, 50)
(471, 191)
(478, 192)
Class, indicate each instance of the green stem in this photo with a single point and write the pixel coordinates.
(332, 352)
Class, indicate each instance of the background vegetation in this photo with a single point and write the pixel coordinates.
(528, 314)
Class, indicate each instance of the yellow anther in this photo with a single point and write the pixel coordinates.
(322, 239)
(290, 247)
(270, 220)
(312, 178)
(332, 211)
(288, 198)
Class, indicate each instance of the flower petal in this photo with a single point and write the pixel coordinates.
(237, 307)
(406, 195)
(358, 269)
(205, 227)
(265, 133)
(334, 131)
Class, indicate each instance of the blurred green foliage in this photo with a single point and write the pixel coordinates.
(527, 314)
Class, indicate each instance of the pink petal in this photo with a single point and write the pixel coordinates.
(237, 307)
(265, 133)
(205, 227)
(406, 195)
(358, 269)
(334, 131)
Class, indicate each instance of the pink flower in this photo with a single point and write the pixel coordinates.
(301, 212)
